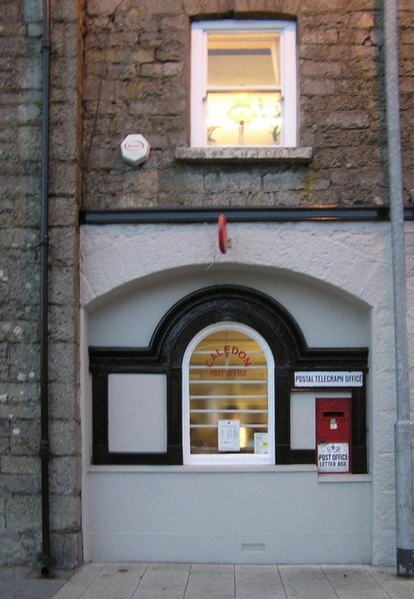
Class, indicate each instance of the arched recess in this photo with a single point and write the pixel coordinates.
(164, 355)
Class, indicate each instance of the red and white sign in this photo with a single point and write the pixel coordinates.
(135, 149)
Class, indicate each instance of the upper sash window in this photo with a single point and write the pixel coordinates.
(243, 83)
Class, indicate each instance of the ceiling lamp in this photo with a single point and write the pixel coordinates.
(241, 112)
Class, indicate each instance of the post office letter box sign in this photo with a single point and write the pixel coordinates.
(333, 435)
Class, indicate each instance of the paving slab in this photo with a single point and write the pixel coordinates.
(353, 581)
(80, 581)
(210, 582)
(163, 581)
(258, 582)
(306, 582)
(395, 586)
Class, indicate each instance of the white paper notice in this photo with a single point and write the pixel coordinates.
(261, 443)
(229, 435)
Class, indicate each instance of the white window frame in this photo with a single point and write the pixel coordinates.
(288, 73)
(228, 458)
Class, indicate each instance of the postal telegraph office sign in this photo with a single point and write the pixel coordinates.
(329, 379)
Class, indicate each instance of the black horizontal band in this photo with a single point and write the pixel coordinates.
(240, 215)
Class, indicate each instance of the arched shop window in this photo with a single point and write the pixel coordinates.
(228, 397)
(227, 379)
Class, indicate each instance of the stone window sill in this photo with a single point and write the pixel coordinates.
(301, 155)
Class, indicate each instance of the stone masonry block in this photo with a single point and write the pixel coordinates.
(206, 7)
(285, 180)
(62, 279)
(282, 7)
(361, 20)
(22, 512)
(63, 399)
(4, 445)
(63, 245)
(18, 396)
(62, 362)
(62, 322)
(64, 40)
(4, 371)
(12, 551)
(19, 465)
(161, 70)
(19, 409)
(65, 475)
(31, 11)
(176, 24)
(2, 515)
(161, 7)
(23, 484)
(68, 546)
(100, 7)
(25, 436)
(23, 361)
(62, 212)
(170, 51)
(348, 119)
(30, 76)
(28, 143)
(64, 513)
(64, 437)
(183, 180)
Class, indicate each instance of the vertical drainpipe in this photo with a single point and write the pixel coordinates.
(403, 426)
(44, 244)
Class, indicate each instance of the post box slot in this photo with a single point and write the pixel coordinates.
(333, 414)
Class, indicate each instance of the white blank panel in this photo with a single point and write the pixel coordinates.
(137, 413)
(302, 420)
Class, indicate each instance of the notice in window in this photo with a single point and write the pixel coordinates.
(261, 443)
(229, 435)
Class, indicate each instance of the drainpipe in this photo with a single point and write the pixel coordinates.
(403, 426)
(44, 244)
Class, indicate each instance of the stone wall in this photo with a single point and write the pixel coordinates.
(19, 209)
(136, 80)
(64, 199)
(406, 64)
(20, 481)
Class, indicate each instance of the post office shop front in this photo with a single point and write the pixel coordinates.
(227, 399)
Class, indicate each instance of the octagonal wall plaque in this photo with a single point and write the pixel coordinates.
(135, 149)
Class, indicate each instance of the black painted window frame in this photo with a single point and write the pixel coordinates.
(164, 355)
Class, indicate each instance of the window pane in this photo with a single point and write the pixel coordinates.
(243, 59)
(252, 118)
(228, 384)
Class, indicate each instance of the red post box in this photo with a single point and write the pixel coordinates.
(333, 435)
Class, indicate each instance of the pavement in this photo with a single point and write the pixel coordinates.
(206, 581)
(20, 582)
